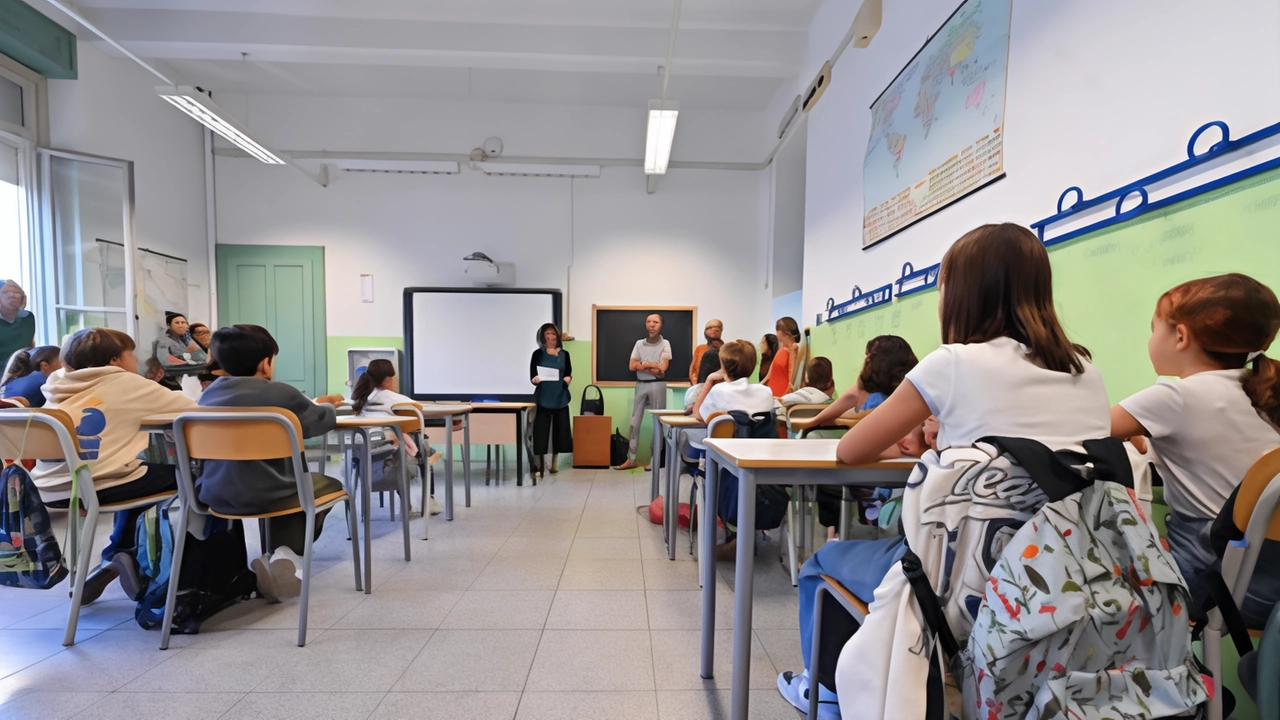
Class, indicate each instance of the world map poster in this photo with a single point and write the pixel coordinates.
(937, 131)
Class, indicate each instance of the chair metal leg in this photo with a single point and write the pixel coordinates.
(815, 651)
(307, 543)
(84, 548)
(404, 497)
(792, 534)
(353, 529)
(175, 572)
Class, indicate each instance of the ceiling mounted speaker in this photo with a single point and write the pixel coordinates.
(810, 96)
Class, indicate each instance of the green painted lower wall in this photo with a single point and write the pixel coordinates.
(337, 356)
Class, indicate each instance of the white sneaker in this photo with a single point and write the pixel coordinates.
(278, 575)
(434, 507)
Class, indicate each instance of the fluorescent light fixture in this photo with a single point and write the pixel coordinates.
(198, 105)
(662, 130)
(538, 170)
(410, 167)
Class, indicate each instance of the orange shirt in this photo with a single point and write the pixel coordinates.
(698, 352)
(779, 380)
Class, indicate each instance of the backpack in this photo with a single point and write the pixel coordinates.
(215, 573)
(960, 510)
(386, 467)
(29, 552)
(592, 406)
(771, 500)
(619, 448)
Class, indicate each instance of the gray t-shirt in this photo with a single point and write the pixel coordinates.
(647, 352)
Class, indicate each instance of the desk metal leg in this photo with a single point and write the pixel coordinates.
(466, 456)
(448, 467)
(653, 461)
(404, 490)
(671, 503)
(424, 469)
(366, 492)
(743, 586)
(521, 418)
(707, 551)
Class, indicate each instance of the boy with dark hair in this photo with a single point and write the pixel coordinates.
(247, 354)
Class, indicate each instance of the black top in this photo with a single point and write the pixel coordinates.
(551, 395)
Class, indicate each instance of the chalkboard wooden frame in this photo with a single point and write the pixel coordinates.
(680, 377)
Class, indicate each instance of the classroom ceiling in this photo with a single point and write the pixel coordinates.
(730, 54)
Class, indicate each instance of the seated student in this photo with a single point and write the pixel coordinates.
(708, 364)
(1212, 423)
(101, 390)
(889, 358)
(375, 394)
(247, 354)
(1006, 368)
(154, 372)
(29, 370)
(729, 388)
(819, 387)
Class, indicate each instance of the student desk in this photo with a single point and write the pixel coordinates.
(671, 426)
(656, 461)
(436, 411)
(766, 462)
(491, 428)
(361, 425)
(809, 423)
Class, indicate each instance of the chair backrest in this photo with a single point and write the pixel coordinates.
(38, 434)
(249, 433)
(720, 426)
(410, 410)
(1251, 492)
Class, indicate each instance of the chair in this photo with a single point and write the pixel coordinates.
(415, 411)
(1255, 515)
(50, 434)
(720, 426)
(852, 604)
(263, 433)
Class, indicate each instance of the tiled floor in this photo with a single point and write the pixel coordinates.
(549, 602)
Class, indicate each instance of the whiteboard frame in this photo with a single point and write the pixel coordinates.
(409, 292)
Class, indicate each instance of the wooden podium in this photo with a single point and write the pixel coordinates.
(591, 435)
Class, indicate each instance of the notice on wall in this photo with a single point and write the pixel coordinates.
(937, 131)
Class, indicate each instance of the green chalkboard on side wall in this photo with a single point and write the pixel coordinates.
(1106, 283)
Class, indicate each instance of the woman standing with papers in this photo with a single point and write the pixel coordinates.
(551, 371)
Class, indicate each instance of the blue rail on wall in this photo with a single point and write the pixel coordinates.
(913, 281)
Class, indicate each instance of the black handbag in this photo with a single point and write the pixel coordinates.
(591, 406)
(619, 448)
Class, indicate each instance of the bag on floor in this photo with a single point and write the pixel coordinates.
(591, 406)
(771, 500)
(29, 552)
(619, 448)
(215, 572)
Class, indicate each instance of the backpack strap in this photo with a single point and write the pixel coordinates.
(927, 599)
(1048, 469)
(1219, 596)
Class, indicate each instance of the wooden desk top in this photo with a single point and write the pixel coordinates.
(438, 410)
(681, 421)
(796, 454)
(159, 421)
(670, 412)
(500, 406)
(406, 424)
(844, 421)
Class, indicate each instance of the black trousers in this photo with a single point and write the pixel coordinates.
(551, 427)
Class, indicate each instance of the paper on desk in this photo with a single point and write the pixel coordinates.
(548, 374)
(191, 387)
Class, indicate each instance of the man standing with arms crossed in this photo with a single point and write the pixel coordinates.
(649, 360)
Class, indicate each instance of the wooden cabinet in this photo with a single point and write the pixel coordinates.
(591, 435)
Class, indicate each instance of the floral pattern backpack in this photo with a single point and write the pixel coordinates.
(1085, 617)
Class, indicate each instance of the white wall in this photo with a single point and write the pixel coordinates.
(626, 246)
(112, 110)
(1099, 93)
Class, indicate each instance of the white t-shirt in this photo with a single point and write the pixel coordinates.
(1205, 433)
(992, 389)
(691, 395)
(737, 395)
(381, 401)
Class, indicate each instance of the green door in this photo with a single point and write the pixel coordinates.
(282, 289)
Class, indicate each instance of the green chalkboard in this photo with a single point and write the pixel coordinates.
(1106, 283)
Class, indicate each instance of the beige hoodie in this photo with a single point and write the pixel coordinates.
(107, 405)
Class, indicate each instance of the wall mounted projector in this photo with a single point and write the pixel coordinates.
(484, 271)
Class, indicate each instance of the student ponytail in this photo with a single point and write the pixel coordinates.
(1234, 319)
(369, 381)
(25, 362)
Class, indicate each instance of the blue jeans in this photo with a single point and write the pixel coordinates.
(859, 565)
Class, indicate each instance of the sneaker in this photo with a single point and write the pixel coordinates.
(795, 689)
(434, 507)
(278, 575)
(96, 583)
(266, 583)
(126, 567)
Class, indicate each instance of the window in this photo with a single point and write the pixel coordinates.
(17, 209)
(87, 264)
